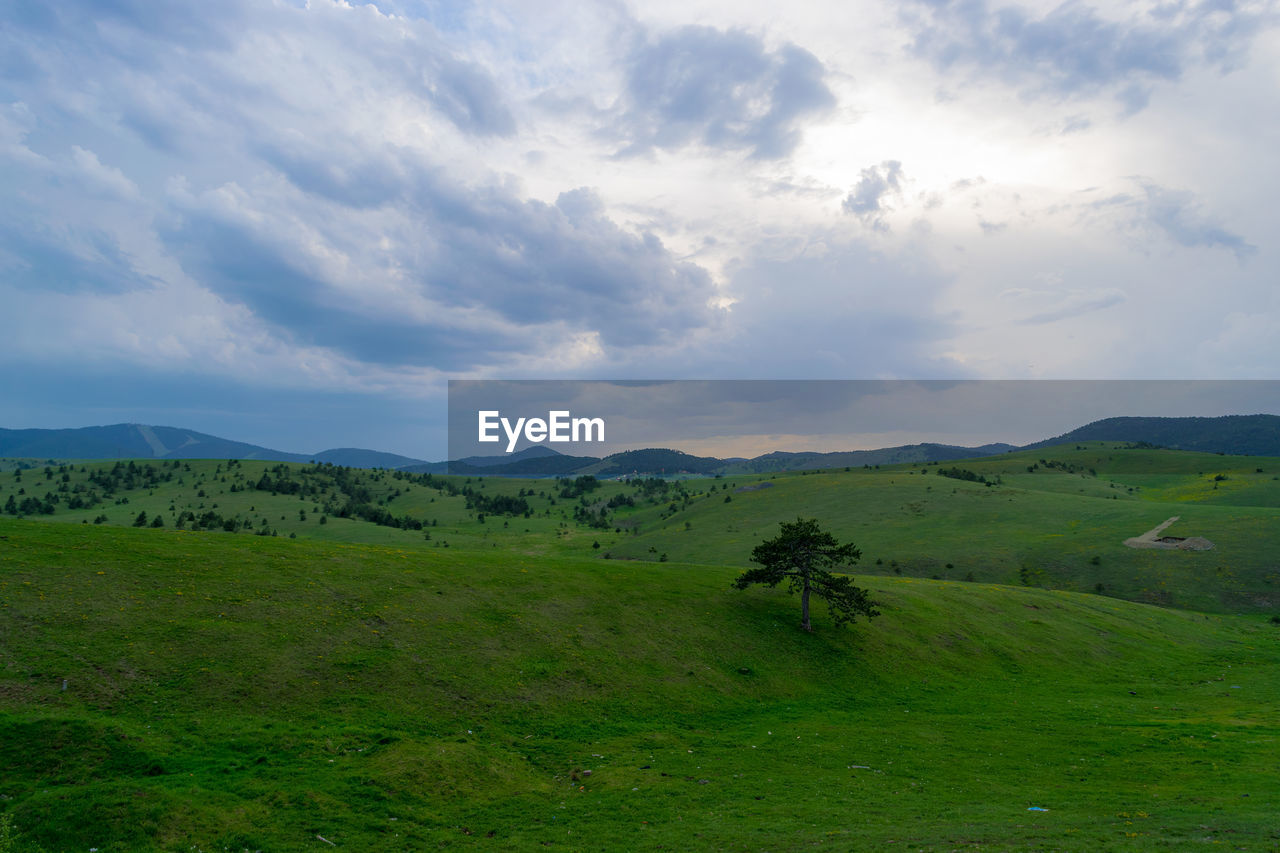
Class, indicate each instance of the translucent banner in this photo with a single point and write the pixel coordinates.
(549, 427)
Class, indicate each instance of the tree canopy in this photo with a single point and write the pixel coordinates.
(803, 555)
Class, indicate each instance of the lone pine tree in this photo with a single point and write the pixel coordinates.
(803, 554)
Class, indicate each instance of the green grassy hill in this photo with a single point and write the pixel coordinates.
(389, 661)
(1054, 518)
(165, 689)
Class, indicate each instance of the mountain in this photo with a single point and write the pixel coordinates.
(131, 441)
(1242, 435)
(535, 451)
(659, 462)
(782, 461)
(654, 461)
(542, 462)
(355, 457)
(139, 441)
(1247, 435)
(535, 460)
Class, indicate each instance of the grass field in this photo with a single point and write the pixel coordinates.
(1052, 527)
(365, 687)
(1060, 525)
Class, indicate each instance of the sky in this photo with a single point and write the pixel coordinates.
(292, 223)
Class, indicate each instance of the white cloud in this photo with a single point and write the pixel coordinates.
(109, 178)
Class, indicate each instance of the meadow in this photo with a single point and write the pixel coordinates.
(503, 685)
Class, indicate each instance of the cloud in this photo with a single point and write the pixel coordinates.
(1073, 50)
(722, 90)
(1177, 215)
(468, 96)
(444, 275)
(68, 260)
(108, 178)
(1075, 124)
(1180, 216)
(1050, 306)
(353, 195)
(310, 174)
(16, 123)
(845, 312)
(866, 200)
(67, 223)
(226, 59)
(111, 27)
(841, 312)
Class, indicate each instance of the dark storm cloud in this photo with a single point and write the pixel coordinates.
(280, 287)
(721, 89)
(493, 273)
(1073, 50)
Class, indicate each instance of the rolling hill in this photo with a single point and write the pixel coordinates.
(1054, 517)
(169, 690)
(275, 656)
(1242, 435)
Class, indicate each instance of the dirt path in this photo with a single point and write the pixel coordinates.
(1153, 539)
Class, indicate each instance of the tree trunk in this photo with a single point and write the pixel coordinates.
(804, 607)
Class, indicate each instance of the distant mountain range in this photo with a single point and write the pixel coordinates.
(138, 441)
(1237, 435)
(1248, 435)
